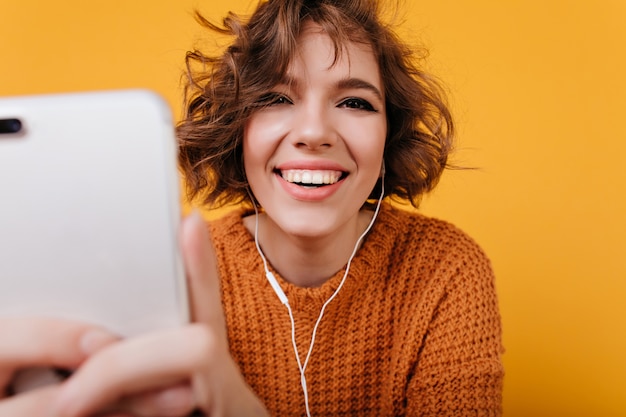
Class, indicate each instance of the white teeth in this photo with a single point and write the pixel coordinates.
(305, 176)
(318, 178)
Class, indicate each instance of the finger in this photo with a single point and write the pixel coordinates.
(53, 342)
(114, 414)
(33, 403)
(134, 366)
(46, 342)
(202, 271)
(175, 401)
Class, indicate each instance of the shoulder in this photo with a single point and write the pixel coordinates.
(425, 252)
(443, 270)
(425, 234)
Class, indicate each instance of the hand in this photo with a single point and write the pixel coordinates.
(132, 375)
(30, 343)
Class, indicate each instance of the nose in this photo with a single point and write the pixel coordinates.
(313, 126)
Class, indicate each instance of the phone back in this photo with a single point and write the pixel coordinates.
(89, 210)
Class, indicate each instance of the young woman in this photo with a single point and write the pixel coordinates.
(316, 297)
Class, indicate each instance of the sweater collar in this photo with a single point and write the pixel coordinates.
(371, 257)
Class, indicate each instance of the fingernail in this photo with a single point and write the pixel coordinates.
(94, 340)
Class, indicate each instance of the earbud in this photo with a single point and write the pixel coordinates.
(268, 274)
(279, 291)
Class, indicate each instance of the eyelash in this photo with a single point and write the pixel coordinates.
(272, 99)
(355, 103)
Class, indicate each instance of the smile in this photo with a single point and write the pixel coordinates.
(311, 178)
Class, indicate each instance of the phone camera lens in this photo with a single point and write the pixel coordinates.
(10, 126)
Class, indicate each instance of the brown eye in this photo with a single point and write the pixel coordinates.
(272, 99)
(357, 104)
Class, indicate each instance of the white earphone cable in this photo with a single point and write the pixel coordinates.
(284, 300)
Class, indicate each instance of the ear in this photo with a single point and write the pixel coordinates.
(382, 170)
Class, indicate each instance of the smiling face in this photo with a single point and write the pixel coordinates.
(313, 152)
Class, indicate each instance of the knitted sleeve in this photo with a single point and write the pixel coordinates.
(459, 372)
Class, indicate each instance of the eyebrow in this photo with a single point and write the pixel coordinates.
(357, 83)
(343, 84)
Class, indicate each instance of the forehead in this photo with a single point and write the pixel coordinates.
(316, 51)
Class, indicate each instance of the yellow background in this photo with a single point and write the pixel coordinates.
(539, 91)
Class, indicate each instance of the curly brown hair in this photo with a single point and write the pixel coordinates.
(223, 91)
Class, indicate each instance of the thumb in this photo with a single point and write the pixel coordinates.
(202, 273)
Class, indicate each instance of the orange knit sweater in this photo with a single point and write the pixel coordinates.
(414, 331)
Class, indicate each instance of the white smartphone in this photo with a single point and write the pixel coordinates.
(89, 210)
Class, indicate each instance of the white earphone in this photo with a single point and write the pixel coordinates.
(283, 297)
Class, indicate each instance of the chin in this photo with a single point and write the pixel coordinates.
(308, 222)
(308, 227)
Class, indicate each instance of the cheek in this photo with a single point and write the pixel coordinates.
(366, 140)
(261, 136)
(265, 127)
(254, 142)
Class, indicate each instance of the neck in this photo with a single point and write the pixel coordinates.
(308, 261)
